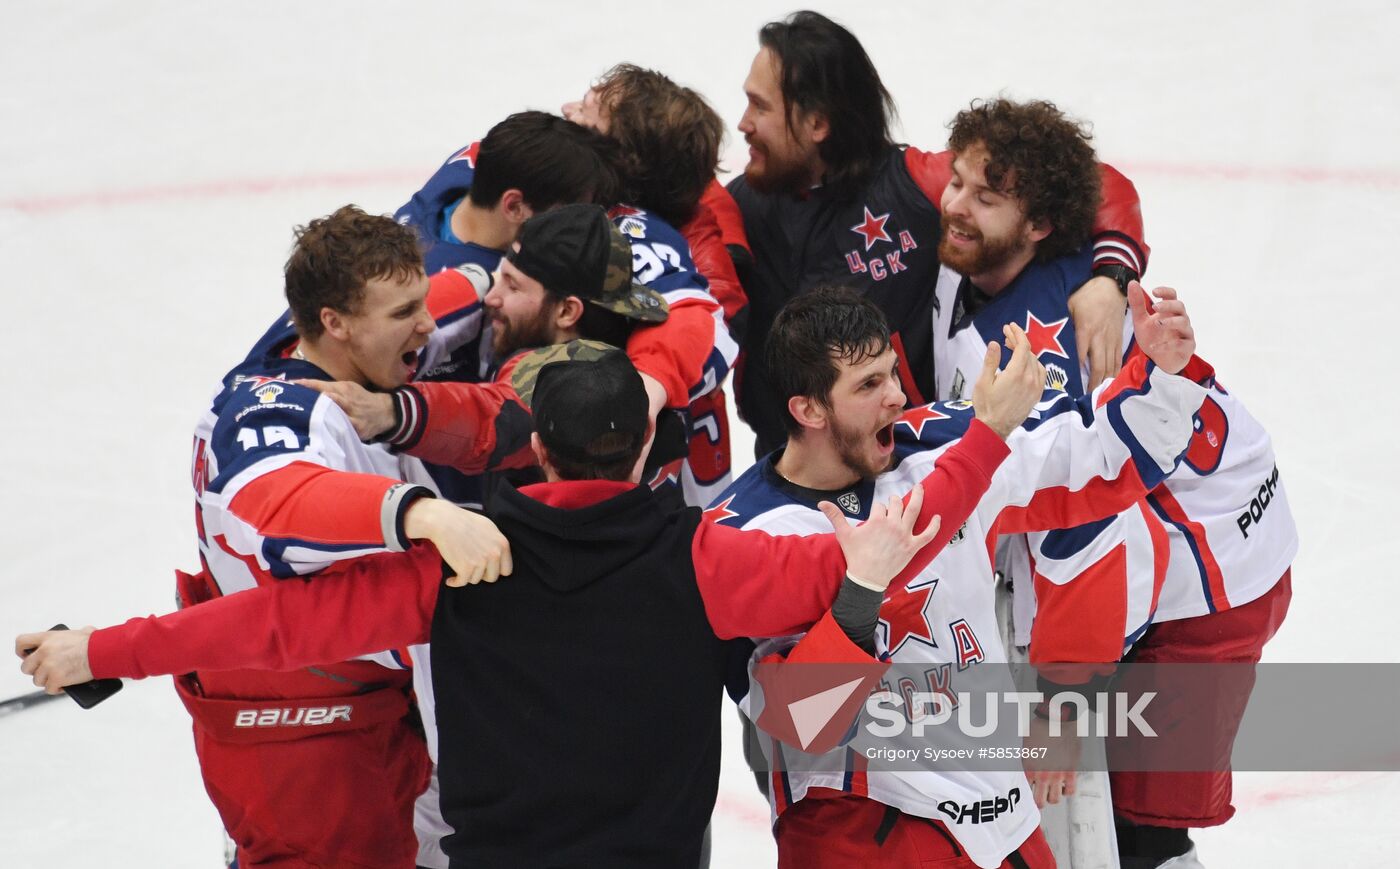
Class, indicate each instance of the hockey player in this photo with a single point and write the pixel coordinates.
(472, 209)
(578, 704)
(669, 140)
(284, 488)
(850, 442)
(828, 198)
(1017, 213)
(1166, 577)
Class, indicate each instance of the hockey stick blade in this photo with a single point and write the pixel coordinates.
(25, 701)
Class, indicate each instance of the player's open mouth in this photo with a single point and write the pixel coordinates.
(410, 358)
(959, 236)
(885, 437)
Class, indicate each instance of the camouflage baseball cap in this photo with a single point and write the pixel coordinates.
(575, 250)
(526, 373)
(578, 392)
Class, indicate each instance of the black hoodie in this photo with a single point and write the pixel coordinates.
(583, 694)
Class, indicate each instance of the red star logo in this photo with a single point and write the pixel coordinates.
(903, 617)
(258, 380)
(468, 153)
(1045, 337)
(623, 211)
(873, 229)
(720, 512)
(916, 418)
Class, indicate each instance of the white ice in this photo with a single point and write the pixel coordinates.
(157, 154)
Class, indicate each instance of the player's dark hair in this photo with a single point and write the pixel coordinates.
(596, 323)
(669, 138)
(1042, 158)
(825, 69)
(607, 444)
(551, 162)
(811, 333)
(334, 257)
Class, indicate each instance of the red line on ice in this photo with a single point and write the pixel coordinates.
(235, 187)
(217, 189)
(1360, 177)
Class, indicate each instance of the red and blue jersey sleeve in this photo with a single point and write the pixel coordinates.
(690, 354)
(277, 493)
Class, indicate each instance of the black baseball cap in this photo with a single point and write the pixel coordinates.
(578, 392)
(575, 250)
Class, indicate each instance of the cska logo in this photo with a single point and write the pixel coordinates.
(872, 231)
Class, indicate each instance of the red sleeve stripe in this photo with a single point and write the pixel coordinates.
(1114, 248)
(314, 503)
(410, 412)
(1059, 507)
(1131, 378)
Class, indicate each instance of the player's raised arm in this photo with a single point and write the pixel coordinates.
(1162, 330)
(1088, 458)
(745, 597)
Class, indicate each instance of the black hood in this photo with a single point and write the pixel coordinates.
(598, 539)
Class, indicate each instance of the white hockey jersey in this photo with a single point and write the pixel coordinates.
(1069, 460)
(1226, 514)
(1104, 576)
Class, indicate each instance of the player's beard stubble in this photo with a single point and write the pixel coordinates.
(508, 338)
(988, 253)
(852, 445)
(781, 173)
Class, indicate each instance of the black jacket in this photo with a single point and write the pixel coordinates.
(799, 243)
(539, 677)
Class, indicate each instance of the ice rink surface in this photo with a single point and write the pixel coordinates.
(155, 156)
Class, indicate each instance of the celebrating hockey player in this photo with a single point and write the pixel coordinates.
(1175, 578)
(1017, 216)
(284, 487)
(828, 198)
(850, 442)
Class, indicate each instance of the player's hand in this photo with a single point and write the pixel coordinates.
(372, 413)
(471, 544)
(1097, 311)
(58, 658)
(1052, 775)
(1003, 399)
(1163, 331)
(879, 548)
